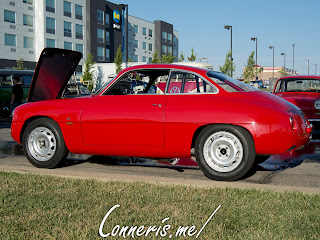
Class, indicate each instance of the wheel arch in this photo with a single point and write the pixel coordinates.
(198, 131)
(29, 120)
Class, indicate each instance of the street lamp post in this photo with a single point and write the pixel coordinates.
(293, 59)
(230, 27)
(272, 47)
(284, 65)
(126, 7)
(256, 40)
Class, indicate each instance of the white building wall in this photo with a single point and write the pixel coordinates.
(38, 31)
(18, 29)
(140, 52)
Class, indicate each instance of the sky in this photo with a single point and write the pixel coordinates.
(278, 23)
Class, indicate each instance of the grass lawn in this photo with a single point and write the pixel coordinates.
(43, 207)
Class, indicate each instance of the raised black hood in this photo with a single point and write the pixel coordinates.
(53, 71)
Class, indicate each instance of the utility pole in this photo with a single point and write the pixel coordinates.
(293, 59)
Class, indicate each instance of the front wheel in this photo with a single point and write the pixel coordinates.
(225, 152)
(43, 143)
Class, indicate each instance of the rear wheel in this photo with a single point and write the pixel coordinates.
(225, 152)
(43, 143)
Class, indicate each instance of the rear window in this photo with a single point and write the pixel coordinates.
(229, 84)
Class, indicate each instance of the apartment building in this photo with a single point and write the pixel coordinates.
(28, 26)
(88, 26)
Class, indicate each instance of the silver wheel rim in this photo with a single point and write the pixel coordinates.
(223, 151)
(42, 144)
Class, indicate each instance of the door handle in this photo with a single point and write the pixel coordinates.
(157, 105)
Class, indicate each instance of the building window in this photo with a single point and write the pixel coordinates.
(100, 19)
(150, 46)
(135, 58)
(79, 48)
(107, 20)
(129, 42)
(136, 44)
(169, 38)
(100, 35)
(10, 40)
(27, 42)
(144, 59)
(169, 50)
(68, 45)
(129, 27)
(100, 53)
(27, 20)
(164, 50)
(164, 36)
(175, 52)
(150, 33)
(135, 29)
(79, 31)
(144, 31)
(67, 29)
(107, 55)
(144, 45)
(50, 6)
(175, 40)
(67, 9)
(50, 25)
(78, 11)
(9, 16)
(28, 1)
(107, 38)
(51, 43)
(150, 59)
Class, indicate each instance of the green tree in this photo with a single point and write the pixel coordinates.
(118, 59)
(181, 58)
(20, 65)
(88, 73)
(282, 72)
(248, 72)
(193, 56)
(228, 66)
(156, 58)
(168, 58)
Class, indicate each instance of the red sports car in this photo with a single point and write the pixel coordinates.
(303, 91)
(156, 111)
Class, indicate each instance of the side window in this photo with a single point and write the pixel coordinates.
(6, 81)
(184, 82)
(140, 82)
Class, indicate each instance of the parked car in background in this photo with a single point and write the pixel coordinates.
(6, 84)
(304, 92)
(225, 124)
(73, 88)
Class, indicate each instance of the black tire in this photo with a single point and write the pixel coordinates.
(43, 143)
(225, 152)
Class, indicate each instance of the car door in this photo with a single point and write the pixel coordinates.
(128, 120)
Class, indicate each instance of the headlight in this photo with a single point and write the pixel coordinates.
(317, 104)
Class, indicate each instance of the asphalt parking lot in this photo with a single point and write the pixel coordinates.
(297, 171)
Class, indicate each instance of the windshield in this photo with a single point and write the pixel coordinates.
(229, 84)
(103, 86)
(298, 85)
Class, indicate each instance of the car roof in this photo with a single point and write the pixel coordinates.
(300, 77)
(166, 66)
(13, 71)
